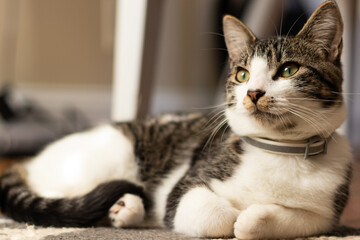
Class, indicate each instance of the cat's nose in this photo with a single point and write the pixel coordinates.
(255, 95)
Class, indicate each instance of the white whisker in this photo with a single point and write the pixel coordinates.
(214, 132)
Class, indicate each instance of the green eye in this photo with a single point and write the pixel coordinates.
(242, 75)
(288, 69)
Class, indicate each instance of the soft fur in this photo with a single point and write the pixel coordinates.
(192, 172)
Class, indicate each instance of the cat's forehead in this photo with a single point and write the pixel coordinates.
(274, 51)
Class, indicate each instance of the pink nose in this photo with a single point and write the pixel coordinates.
(255, 95)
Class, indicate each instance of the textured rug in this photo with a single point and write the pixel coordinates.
(18, 231)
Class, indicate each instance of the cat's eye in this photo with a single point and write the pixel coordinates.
(288, 70)
(242, 75)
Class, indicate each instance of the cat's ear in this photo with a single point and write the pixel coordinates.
(237, 36)
(325, 29)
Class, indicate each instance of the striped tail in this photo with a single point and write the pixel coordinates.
(20, 203)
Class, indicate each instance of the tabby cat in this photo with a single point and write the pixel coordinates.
(273, 167)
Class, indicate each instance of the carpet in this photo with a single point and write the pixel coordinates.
(11, 230)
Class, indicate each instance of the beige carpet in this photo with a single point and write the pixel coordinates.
(17, 231)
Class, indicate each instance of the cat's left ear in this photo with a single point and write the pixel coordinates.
(325, 29)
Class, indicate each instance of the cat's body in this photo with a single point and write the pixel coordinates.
(178, 172)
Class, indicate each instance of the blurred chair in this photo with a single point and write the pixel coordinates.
(136, 39)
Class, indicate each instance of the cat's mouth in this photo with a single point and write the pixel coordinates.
(275, 120)
(260, 108)
(263, 109)
(257, 113)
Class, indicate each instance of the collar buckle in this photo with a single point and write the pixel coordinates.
(314, 140)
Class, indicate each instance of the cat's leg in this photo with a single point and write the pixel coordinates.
(128, 211)
(275, 221)
(78, 163)
(201, 213)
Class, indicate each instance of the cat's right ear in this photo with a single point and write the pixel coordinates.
(237, 36)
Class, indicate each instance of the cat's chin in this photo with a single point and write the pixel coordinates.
(250, 123)
(264, 124)
(264, 117)
(247, 125)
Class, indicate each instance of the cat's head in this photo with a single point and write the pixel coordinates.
(286, 87)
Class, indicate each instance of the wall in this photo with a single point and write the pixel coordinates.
(59, 49)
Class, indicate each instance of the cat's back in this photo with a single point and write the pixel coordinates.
(137, 151)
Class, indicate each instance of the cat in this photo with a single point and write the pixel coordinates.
(272, 165)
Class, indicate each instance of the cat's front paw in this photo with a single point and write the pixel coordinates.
(254, 222)
(128, 211)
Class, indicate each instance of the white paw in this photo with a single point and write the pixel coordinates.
(254, 222)
(128, 211)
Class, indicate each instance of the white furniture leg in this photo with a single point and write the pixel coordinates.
(129, 41)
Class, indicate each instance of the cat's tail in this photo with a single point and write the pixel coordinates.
(20, 203)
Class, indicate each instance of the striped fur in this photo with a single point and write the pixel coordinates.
(193, 171)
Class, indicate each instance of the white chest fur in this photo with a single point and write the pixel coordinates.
(290, 181)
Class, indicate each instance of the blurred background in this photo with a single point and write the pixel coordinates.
(70, 64)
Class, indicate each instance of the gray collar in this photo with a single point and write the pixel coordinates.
(311, 147)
